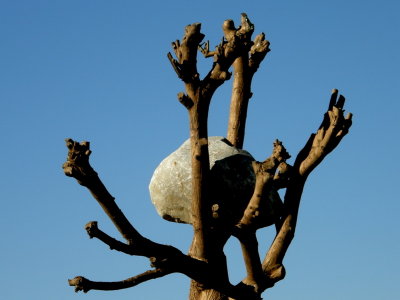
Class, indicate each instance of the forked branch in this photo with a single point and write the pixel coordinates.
(333, 128)
(254, 216)
(197, 101)
(78, 167)
(163, 257)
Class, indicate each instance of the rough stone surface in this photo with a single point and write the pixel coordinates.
(232, 182)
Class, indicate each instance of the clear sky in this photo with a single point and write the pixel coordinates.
(98, 71)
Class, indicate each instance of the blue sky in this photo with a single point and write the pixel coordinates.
(97, 71)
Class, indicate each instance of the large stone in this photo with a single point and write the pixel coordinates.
(232, 183)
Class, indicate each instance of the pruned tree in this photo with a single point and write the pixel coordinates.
(205, 264)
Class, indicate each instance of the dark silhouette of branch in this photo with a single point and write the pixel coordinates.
(85, 285)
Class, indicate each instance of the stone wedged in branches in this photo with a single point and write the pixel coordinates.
(232, 183)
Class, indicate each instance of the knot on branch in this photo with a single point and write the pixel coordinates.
(77, 164)
(185, 100)
(80, 283)
(274, 274)
(160, 263)
(282, 176)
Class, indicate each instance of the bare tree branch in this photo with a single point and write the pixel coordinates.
(78, 167)
(254, 213)
(164, 258)
(333, 128)
(254, 216)
(94, 232)
(197, 100)
(244, 68)
(258, 52)
(82, 284)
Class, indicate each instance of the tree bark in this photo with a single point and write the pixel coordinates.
(239, 101)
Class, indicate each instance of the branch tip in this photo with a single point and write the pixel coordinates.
(77, 164)
(340, 102)
(92, 229)
(80, 283)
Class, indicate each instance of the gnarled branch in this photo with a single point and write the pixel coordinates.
(254, 216)
(333, 128)
(166, 258)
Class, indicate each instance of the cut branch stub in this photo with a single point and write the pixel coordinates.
(92, 229)
(282, 176)
(246, 28)
(185, 100)
(258, 51)
(77, 164)
(78, 167)
(80, 283)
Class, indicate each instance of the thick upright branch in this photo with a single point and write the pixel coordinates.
(197, 100)
(244, 68)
